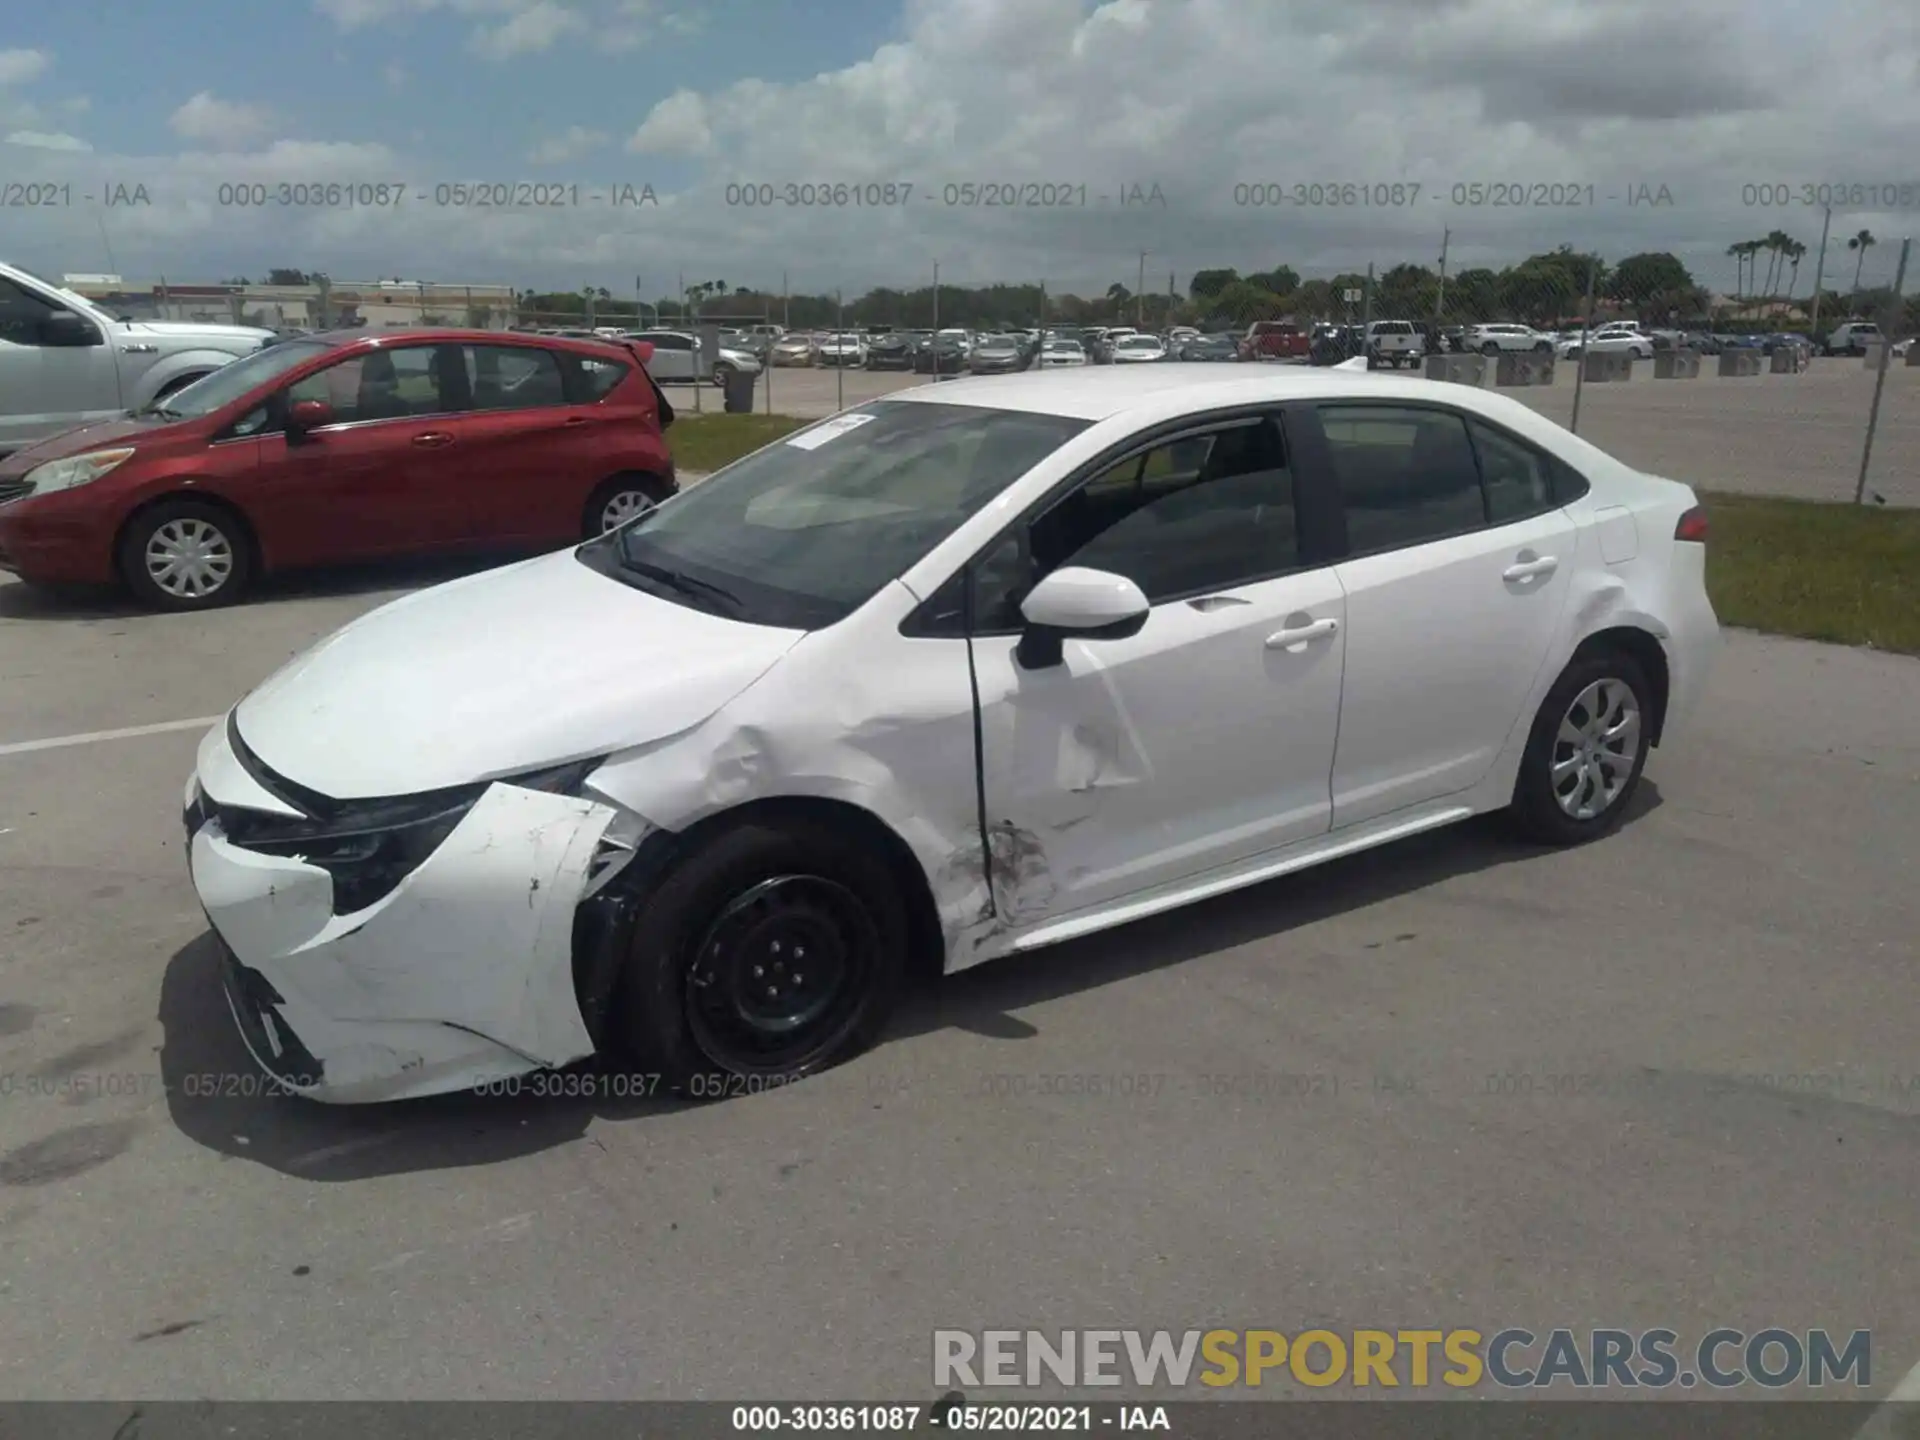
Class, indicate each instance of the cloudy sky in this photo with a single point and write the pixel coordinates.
(1156, 122)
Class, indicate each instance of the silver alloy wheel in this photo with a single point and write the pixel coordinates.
(1596, 748)
(189, 558)
(621, 507)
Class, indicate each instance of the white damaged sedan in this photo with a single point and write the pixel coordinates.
(958, 674)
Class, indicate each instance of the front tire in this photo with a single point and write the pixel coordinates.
(1586, 751)
(772, 952)
(186, 555)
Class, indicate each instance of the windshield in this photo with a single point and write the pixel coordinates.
(233, 380)
(1139, 342)
(804, 532)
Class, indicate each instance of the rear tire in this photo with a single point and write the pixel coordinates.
(714, 997)
(1585, 753)
(618, 499)
(186, 555)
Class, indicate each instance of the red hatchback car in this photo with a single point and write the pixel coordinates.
(343, 447)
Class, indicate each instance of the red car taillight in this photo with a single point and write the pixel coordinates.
(1692, 526)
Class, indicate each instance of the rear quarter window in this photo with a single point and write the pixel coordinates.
(595, 378)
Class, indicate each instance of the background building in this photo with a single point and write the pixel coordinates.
(315, 305)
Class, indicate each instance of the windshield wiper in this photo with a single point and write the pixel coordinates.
(686, 584)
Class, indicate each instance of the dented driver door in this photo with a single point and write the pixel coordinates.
(1203, 739)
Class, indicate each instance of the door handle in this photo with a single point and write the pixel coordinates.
(1301, 634)
(433, 439)
(576, 420)
(1526, 569)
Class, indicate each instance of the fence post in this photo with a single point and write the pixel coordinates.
(1586, 327)
(1366, 307)
(1880, 376)
(840, 352)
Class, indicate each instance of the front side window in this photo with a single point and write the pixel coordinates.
(23, 314)
(387, 384)
(803, 532)
(1196, 514)
(1405, 475)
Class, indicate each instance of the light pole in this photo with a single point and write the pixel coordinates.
(1140, 294)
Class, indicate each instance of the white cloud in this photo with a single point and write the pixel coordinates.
(677, 126)
(17, 67)
(222, 124)
(44, 140)
(577, 141)
(528, 31)
(1194, 96)
(503, 29)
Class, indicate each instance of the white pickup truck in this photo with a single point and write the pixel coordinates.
(66, 362)
(1394, 343)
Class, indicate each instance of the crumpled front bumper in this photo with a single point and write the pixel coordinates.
(461, 975)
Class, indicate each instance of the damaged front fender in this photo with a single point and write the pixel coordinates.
(462, 975)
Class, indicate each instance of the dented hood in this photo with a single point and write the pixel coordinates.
(495, 674)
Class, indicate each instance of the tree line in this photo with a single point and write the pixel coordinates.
(1653, 286)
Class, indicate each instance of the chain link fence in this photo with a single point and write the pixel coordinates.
(1790, 374)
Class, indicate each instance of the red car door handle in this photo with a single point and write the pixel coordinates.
(576, 420)
(433, 438)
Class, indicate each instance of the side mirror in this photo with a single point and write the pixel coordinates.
(308, 415)
(65, 328)
(1087, 604)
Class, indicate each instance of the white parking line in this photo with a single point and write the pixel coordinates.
(94, 737)
(1881, 1425)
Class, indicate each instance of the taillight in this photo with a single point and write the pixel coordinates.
(1692, 526)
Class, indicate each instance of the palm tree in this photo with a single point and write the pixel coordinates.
(1777, 243)
(1796, 252)
(1749, 252)
(1119, 295)
(1861, 243)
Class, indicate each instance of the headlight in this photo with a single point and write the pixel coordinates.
(369, 846)
(75, 470)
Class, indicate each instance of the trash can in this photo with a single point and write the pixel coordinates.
(739, 385)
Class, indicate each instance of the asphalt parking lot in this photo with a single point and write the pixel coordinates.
(1667, 1080)
(1795, 435)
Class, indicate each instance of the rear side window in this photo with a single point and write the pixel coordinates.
(1405, 475)
(513, 377)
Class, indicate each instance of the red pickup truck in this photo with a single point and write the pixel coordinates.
(1274, 340)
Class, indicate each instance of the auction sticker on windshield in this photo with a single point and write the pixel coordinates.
(826, 430)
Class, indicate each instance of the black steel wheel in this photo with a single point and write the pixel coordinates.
(779, 974)
(768, 953)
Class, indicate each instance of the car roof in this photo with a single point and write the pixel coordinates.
(382, 339)
(1104, 392)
